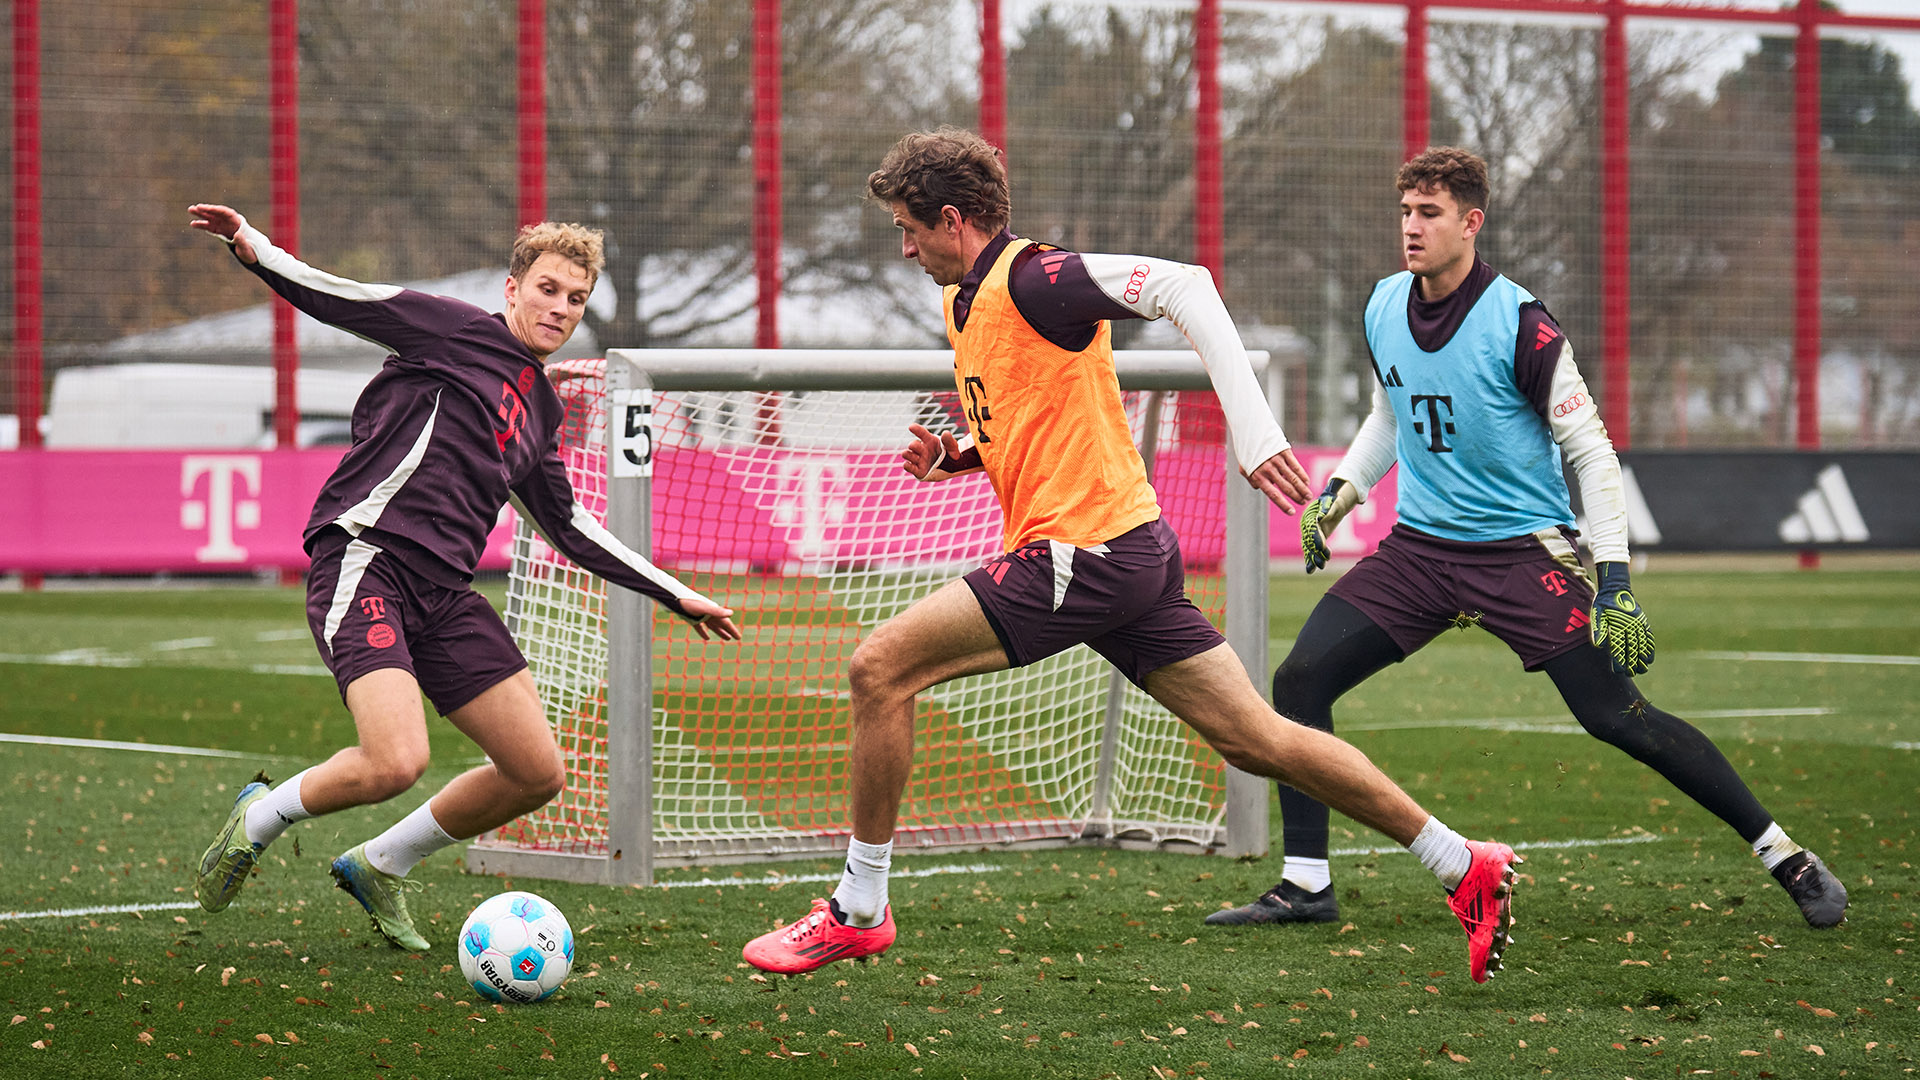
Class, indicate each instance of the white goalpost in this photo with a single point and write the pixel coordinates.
(770, 480)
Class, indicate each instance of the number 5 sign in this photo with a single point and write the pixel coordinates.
(632, 428)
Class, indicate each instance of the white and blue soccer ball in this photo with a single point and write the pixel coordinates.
(516, 947)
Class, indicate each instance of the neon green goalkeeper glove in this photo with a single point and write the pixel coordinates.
(1619, 623)
(1320, 516)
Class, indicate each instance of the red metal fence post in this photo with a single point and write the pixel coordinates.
(766, 170)
(27, 325)
(1806, 240)
(1415, 105)
(993, 78)
(284, 61)
(1616, 213)
(532, 110)
(1806, 235)
(1209, 197)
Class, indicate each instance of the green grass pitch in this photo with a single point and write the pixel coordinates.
(1649, 941)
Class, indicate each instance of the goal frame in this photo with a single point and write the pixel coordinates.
(632, 851)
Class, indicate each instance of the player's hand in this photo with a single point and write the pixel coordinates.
(923, 457)
(224, 222)
(1281, 479)
(1319, 518)
(1619, 624)
(714, 620)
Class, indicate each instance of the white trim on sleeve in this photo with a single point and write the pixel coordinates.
(1574, 419)
(366, 513)
(1184, 295)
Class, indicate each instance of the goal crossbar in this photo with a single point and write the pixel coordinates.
(630, 757)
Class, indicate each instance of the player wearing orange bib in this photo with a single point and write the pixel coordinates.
(1089, 559)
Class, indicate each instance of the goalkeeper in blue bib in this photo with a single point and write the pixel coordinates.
(1477, 399)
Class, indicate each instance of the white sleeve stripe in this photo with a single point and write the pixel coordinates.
(1574, 419)
(366, 513)
(1184, 294)
(1375, 446)
(588, 526)
(300, 273)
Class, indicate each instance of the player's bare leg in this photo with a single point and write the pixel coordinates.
(524, 770)
(1213, 694)
(943, 636)
(391, 755)
(524, 773)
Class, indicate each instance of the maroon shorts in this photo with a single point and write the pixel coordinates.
(1125, 598)
(1529, 592)
(368, 611)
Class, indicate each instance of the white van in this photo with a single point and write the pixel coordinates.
(193, 406)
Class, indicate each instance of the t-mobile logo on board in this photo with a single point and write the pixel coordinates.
(224, 509)
(811, 503)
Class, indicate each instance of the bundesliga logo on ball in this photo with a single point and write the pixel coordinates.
(516, 947)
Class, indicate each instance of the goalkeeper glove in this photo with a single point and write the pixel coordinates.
(1619, 623)
(1319, 518)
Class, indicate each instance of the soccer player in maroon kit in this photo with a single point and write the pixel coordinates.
(459, 420)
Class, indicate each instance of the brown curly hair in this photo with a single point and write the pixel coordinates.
(1461, 172)
(583, 245)
(948, 166)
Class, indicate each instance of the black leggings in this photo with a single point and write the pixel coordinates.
(1339, 648)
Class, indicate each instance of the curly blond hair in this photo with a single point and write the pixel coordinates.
(579, 243)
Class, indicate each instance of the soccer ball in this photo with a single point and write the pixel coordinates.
(516, 947)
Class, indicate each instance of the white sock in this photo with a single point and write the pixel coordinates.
(411, 839)
(1310, 874)
(1442, 851)
(862, 894)
(1775, 846)
(278, 809)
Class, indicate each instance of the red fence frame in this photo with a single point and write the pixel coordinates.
(1805, 17)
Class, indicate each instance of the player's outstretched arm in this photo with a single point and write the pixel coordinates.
(932, 458)
(546, 500)
(224, 222)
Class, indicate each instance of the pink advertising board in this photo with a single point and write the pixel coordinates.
(175, 511)
(139, 512)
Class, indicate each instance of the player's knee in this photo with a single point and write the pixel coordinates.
(870, 674)
(1295, 694)
(547, 784)
(394, 773)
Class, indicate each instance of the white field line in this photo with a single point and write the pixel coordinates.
(179, 644)
(1811, 657)
(1543, 845)
(106, 909)
(795, 879)
(1563, 725)
(115, 744)
(283, 635)
(771, 879)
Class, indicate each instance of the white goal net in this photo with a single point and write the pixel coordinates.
(771, 482)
